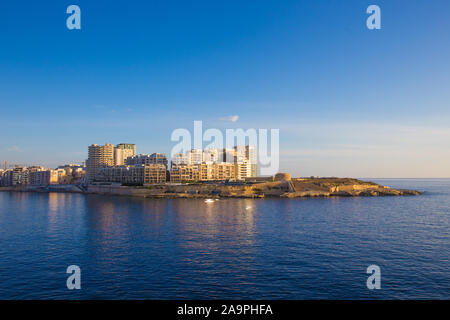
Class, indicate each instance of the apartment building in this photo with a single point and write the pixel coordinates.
(251, 155)
(138, 174)
(196, 156)
(121, 174)
(122, 152)
(203, 172)
(6, 178)
(180, 159)
(206, 171)
(236, 163)
(73, 169)
(19, 176)
(158, 158)
(211, 156)
(244, 156)
(242, 170)
(43, 177)
(224, 171)
(227, 155)
(98, 157)
(145, 159)
(183, 173)
(155, 173)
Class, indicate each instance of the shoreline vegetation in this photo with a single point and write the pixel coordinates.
(284, 188)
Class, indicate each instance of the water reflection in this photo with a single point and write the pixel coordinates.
(214, 237)
(232, 218)
(161, 237)
(231, 248)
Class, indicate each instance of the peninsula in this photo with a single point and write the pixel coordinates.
(280, 186)
(197, 173)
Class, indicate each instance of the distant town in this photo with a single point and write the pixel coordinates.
(198, 173)
(107, 164)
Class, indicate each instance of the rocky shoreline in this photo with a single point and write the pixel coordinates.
(290, 188)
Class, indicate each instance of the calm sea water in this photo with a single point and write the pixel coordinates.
(234, 248)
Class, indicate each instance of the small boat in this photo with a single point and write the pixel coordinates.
(209, 200)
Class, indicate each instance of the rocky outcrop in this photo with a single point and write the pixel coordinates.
(292, 188)
(295, 188)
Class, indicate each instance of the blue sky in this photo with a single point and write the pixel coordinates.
(348, 101)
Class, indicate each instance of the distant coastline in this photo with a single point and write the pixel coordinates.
(283, 188)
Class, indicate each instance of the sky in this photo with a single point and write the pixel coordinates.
(348, 101)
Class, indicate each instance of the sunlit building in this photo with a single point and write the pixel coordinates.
(227, 155)
(224, 171)
(155, 173)
(184, 173)
(251, 155)
(122, 152)
(243, 170)
(6, 178)
(180, 159)
(236, 163)
(145, 159)
(98, 157)
(133, 175)
(19, 176)
(196, 156)
(211, 156)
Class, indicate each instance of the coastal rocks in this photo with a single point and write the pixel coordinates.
(303, 194)
(283, 177)
(341, 187)
(286, 188)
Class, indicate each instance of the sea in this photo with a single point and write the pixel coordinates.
(307, 248)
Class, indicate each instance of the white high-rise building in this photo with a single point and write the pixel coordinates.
(239, 163)
(180, 159)
(123, 151)
(240, 154)
(227, 155)
(146, 159)
(251, 155)
(196, 156)
(211, 156)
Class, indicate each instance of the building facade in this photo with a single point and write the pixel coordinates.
(180, 159)
(238, 163)
(155, 173)
(20, 176)
(98, 157)
(145, 159)
(203, 172)
(122, 152)
(184, 173)
(133, 175)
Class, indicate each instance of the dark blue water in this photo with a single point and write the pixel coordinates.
(236, 248)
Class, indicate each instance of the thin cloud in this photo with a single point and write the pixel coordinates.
(14, 149)
(230, 118)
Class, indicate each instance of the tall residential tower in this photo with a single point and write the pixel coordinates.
(98, 156)
(123, 151)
